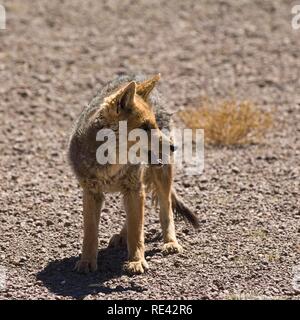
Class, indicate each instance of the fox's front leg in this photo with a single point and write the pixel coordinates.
(163, 182)
(134, 207)
(92, 204)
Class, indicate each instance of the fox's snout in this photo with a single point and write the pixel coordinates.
(162, 155)
(166, 140)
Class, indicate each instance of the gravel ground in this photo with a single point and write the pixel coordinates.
(53, 57)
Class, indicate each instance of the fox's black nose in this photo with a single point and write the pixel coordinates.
(173, 147)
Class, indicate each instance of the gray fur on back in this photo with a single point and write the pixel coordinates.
(163, 117)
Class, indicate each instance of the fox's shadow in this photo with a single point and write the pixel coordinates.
(59, 278)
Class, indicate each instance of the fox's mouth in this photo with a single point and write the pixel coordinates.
(155, 160)
(159, 163)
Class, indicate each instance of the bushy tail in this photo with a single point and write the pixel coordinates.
(181, 209)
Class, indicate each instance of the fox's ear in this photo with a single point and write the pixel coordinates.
(126, 97)
(144, 88)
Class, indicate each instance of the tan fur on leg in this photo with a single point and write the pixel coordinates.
(119, 239)
(163, 183)
(91, 214)
(134, 207)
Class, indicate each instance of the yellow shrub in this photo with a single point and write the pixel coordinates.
(228, 122)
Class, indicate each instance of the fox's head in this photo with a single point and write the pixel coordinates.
(131, 104)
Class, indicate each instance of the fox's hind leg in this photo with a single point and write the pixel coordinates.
(119, 239)
(163, 183)
(92, 204)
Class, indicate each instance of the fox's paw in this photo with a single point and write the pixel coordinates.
(117, 241)
(136, 267)
(171, 247)
(86, 265)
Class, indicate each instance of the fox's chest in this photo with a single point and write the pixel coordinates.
(114, 179)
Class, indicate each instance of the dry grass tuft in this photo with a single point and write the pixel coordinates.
(228, 122)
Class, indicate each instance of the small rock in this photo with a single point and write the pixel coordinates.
(235, 170)
(39, 224)
(49, 223)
